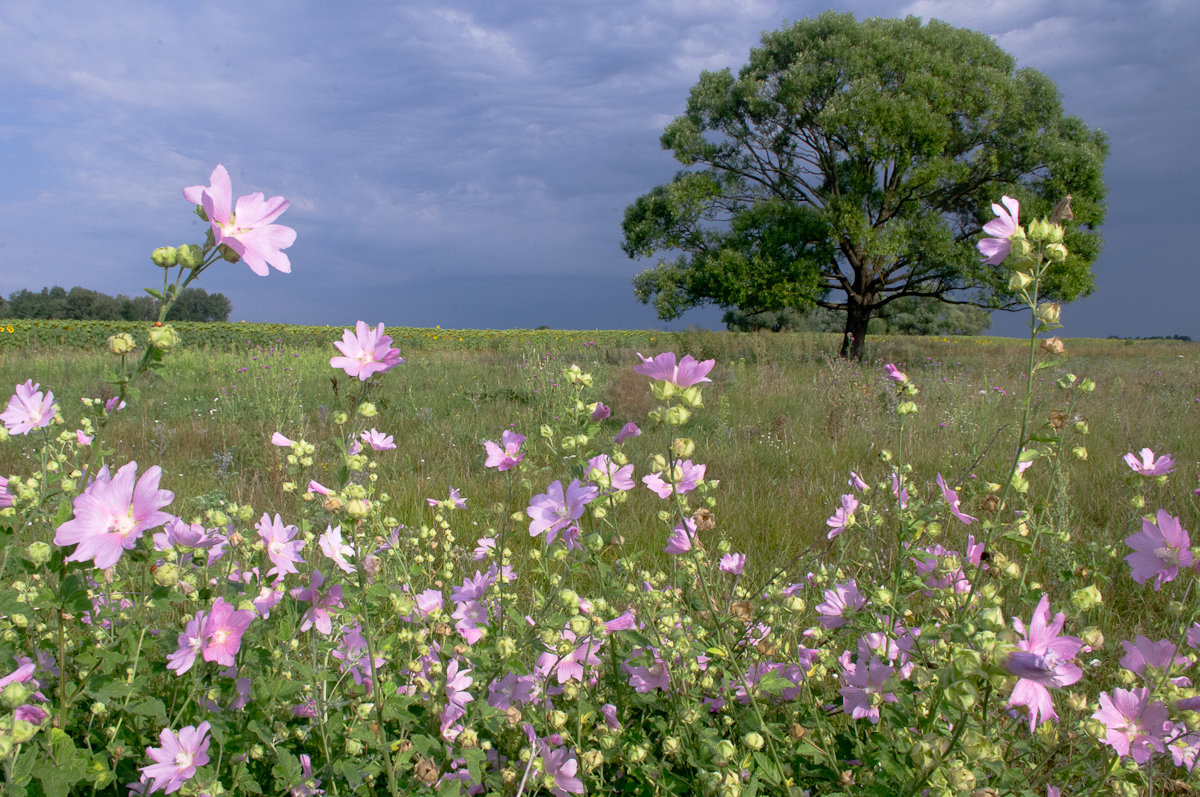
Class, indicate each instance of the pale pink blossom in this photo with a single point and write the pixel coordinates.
(1001, 230)
(247, 229)
(28, 409)
(365, 352)
(112, 513)
(1147, 465)
(663, 368)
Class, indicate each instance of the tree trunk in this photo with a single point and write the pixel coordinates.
(854, 338)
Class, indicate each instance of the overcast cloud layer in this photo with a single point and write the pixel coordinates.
(468, 164)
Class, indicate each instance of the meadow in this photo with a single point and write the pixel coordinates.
(267, 559)
(783, 424)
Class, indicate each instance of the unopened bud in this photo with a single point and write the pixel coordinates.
(164, 256)
(189, 255)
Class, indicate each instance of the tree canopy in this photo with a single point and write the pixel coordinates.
(852, 164)
(83, 304)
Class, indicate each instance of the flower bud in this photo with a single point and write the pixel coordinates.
(164, 256)
(367, 410)
(38, 553)
(1049, 313)
(1038, 230)
(189, 255)
(754, 740)
(1056, 252)
(676, 416)
(23, 731)
(228, 255)
(166, 575)
(1052, 346)
(1019, 281)
(164, 338)
(340, 417)
(122, 343)
(1021, 247)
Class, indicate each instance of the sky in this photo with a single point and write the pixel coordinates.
(468, 164)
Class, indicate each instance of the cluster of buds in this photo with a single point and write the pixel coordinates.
(188, 256)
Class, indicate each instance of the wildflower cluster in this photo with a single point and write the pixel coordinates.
(345, 643)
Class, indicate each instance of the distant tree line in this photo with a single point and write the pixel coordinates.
(910, 315)
(82, 304)
(1186, 338)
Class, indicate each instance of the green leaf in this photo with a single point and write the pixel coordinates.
(69, 766)
(156, 294)
(149, 707)
(287, 772)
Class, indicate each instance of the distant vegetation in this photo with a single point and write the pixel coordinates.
(82, 304)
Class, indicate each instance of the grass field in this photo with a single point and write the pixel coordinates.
(785, 420)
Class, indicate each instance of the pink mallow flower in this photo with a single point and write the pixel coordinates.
(1159, 657)
(1135, 726)
(222, 631)
(1042, 659)
(864, 691)
(190, 642)
(663, 368)
(507, 457)
(843, 518)
(1147, 465)
(112, 513)
(1159, 550)
(842, 600)
(335, 549)
(951, 498)
(732, 563)
(561, 770)
(28, 409)
(684, 477)
(1001, 229)
(555, 510)
(627, 431)
(365, 352)
(247, 229)
(680, 540)
(177, 759)
(282, 548)
(895, 374)
(455, 501)
(320, 604)
(378, 440)
(5, 495)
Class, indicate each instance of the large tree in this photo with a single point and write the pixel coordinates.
(851, 164)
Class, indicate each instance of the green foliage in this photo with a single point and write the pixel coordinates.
(878, 148)
(82, 304)
(909, 315)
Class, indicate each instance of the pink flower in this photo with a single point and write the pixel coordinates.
(732, 563)
(365, 352)
(28, 409)
(863, 694)
(663, 368)
(507, 457)
(680, 540)
(283, 550)
(279, 440)
(843, 518)
(5, 495)
(247, 230)
(458, 681)
(685, 476)
(1159, 656)
(951, 498)
(560, 768)
(895, 374)
(318, 613)
(627, 431)
(177, 759)
(222, 631)
(842, 600)
(1148, 465)
(1042, 659)
(554, 510)
(190, 642)
(332, 546)
(378, 440)
(455, 501)
(1001, 229)
(112, 513)
(1135, 726)
(856, 482)
(600, 412)
(607, 474)
(1159, 550)
(83, 439)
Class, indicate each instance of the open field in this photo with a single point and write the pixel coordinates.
(783, 414)
(764, 649)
